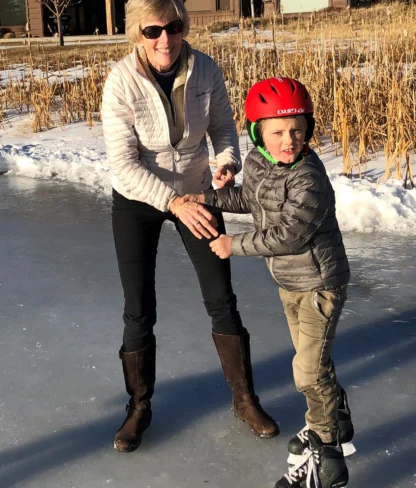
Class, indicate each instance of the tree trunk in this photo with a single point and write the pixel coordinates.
(110, 16)
(60, 31)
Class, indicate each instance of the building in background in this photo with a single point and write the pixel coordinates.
(107, 16)
(97, 16)
(202, 12)
(308, 6)
(13, 15)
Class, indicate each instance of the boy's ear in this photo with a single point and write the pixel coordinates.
(310, 121)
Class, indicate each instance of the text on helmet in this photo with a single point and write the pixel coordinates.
(290, 111)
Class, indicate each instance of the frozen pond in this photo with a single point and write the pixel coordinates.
(62, 391)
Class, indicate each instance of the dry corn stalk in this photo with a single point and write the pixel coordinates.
(363, 85)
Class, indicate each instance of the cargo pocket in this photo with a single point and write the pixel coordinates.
(328, 304)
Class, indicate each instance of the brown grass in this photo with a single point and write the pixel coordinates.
(359, 66)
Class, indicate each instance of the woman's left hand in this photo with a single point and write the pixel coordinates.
(222, 246)
(224, 176)
(195, 216)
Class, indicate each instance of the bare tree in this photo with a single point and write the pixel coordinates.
(58, 7)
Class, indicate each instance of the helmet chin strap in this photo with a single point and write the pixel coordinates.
(262, 150)
(267, 155)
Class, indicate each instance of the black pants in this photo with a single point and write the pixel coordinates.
(136, 228)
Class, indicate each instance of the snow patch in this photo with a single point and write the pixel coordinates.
(76, 154)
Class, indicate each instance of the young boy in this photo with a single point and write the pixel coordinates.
(287, 190)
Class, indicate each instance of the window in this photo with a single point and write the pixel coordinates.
(223, 4)
(198, 5)
(12, 12)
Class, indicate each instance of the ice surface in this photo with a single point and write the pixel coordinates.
(62, 391)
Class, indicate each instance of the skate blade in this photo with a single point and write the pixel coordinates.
(293, 459)
(348, 449)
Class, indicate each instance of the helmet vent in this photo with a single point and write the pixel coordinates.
(262, 98)
(274, 89)
(293, 86)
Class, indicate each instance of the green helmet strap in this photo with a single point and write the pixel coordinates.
(261, 150)
(253, 132)
(267, 155)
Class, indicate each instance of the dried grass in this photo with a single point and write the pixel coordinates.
(359, 66)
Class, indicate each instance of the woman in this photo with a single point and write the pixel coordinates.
(158, 104)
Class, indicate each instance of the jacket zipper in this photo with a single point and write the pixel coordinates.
(269, 260)
(174, 149)
(166, 123)
(180, 143)
(191, 65)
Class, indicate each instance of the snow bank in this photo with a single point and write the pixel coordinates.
(364, 206)
(21, 72)
(85, 165)
(77, 155)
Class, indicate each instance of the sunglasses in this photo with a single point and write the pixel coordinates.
(155, 31)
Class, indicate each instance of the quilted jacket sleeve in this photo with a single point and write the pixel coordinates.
(121, 143)
(306, 207)
(231, 200)
(221, 128)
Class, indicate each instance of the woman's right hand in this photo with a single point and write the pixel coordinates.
(195, 216)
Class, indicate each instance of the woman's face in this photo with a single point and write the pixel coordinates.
(163, 51)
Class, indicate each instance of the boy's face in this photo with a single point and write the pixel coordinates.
(284, 137)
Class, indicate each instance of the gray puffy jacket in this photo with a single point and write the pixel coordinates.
(296, 229)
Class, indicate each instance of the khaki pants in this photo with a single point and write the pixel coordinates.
(313, 319)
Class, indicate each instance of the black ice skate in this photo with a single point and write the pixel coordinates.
(298, 443)
(321, 466)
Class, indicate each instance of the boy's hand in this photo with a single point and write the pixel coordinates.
(222, 246)
(224, 176)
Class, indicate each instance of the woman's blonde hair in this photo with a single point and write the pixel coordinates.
(140, 11)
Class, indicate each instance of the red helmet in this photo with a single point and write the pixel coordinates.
(277, 97)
